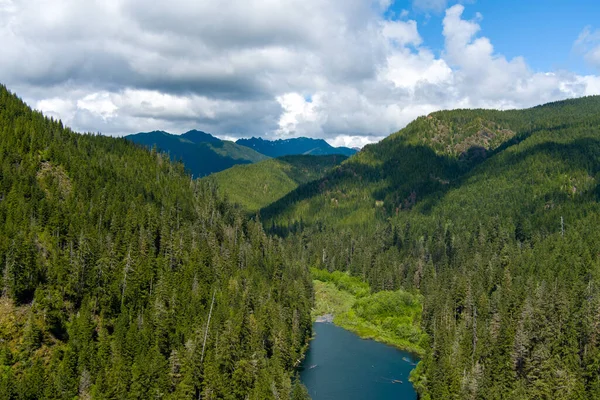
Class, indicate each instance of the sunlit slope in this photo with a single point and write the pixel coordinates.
(418, 165)
(257, 185)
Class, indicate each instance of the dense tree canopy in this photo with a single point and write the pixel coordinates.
(254, 186)
(492, 217)
(123, 278)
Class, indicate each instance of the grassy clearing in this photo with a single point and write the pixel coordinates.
(390, 317)
(331, 300)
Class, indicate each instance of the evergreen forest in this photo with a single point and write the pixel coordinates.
(255, 186)
(470, 238)
(123, 278)
(491, 217)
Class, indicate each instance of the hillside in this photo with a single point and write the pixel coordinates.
(490, 215)
(257, 185)
(122, 278)
(420, 163)
(295, 146)
(200, 152)
(470, 236)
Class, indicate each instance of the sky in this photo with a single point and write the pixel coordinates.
(348, 71)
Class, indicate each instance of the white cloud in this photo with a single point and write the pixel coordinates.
(490, 80)
(588, 43)
(402, 33)
(407, 69)
(98, 103)
(299, 114)
(591, 83)
(337, 69)
(133, 110)
(57, 107)
(354, 141)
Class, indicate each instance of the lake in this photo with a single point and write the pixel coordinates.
(341, 366)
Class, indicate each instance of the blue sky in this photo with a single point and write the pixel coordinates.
(542, 31)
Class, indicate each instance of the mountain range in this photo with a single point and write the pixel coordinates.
(301, 145)
(200, 152)
(203, 153)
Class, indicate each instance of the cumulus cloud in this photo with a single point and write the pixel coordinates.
(339, 70)
(402, 33)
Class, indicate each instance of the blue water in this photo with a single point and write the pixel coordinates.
(346, 367)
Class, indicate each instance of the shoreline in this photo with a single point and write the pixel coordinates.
(414, 351)
(338, 306)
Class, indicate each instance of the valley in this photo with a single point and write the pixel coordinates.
(204, 154)
(465, 240)
(201, 152)
(299, 200)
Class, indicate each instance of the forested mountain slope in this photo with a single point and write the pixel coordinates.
(502, 242)
(294, 146)
(200, 152)
(421, 162)
(255, 186)
(123, 278)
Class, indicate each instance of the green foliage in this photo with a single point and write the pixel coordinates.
(342, 281)
(499, 239)
(331, 300)
(388, 316)
(255, 186)
(120, 277)
(299, 391)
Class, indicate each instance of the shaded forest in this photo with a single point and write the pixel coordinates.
(200, 152)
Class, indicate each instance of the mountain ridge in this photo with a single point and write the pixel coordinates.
(490, 215)
(294, 146)
(429, 155)
(201, 152)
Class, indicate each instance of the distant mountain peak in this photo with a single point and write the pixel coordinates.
(201, 152)
(153, 133)
(197, 136)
